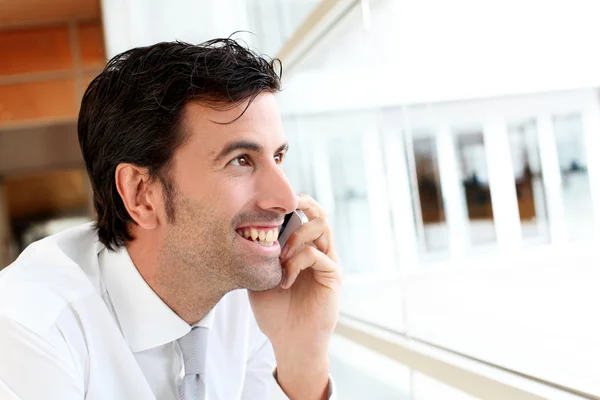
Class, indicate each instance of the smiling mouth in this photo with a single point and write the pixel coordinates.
(263, 237)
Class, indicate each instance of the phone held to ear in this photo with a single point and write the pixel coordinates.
(292, 221)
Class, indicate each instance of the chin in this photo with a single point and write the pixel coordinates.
(263, 276)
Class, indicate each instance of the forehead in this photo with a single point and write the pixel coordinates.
(210, 129)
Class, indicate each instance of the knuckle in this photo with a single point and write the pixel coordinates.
(312, 251)
(291, 265)
(321, 220)
(295, 238)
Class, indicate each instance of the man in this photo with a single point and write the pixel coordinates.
(183, 145)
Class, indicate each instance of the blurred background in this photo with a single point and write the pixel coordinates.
(454, 143)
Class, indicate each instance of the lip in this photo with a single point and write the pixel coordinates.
(258, 226)
(274, 250)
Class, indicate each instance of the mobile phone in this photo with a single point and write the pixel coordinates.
(292, 221)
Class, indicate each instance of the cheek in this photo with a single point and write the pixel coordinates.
(232, 197)
(161, 202)
(229, 203)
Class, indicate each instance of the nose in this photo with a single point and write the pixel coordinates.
(275, 192)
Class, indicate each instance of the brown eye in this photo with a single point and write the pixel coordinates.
(241, 161)
(279, 158)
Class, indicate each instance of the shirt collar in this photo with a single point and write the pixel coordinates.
(145, 320)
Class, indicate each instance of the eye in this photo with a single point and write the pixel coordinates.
(279, 158)
(241, 161)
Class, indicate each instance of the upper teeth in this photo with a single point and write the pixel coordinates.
(261, 236)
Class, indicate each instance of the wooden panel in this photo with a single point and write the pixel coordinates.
(87, 79)
(5, 233)
(45, 193)
(35, 100)
(85, 82)
(35, 50)
(39, 149)
(44, 11)
(91, 44)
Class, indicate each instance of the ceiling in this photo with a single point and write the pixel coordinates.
(38, 12)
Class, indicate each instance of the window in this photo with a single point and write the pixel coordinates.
(528, 180)
(470, 151)
(575, 182)
(352, 218)
(435, 229)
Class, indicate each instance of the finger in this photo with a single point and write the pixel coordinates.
(310, 207)
(316, 231)
(314, 210)
(326, 271)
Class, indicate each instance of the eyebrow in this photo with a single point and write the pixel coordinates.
(245, 145)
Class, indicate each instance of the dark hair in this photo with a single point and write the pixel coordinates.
(132, 111)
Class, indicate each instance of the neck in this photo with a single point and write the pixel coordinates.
(181, 288)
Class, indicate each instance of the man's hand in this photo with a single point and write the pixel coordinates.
(299, 317)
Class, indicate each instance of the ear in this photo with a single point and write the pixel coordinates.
(139, 194)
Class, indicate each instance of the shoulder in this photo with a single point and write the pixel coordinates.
(49, 277)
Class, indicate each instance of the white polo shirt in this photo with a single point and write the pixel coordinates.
(78, 321)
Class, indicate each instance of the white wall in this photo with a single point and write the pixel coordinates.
(440, 50)
(133, 23)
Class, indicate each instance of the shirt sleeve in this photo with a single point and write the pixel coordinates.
(261, 377)
(31, 368)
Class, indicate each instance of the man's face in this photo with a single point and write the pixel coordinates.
(228, 184)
